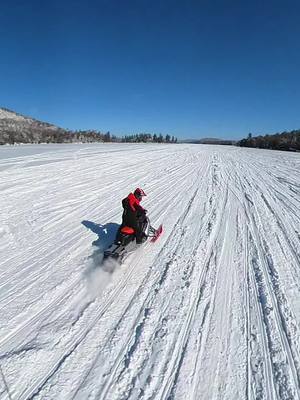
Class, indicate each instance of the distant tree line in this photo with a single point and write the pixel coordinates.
(288, 141)
(96, 136)
(42, 133)
(135, 138)
(148, 137)
(17, 128)
(210, 141)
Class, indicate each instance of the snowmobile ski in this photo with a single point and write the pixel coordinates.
(156, 234)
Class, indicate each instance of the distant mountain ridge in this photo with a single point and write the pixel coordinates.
(9, 115)
(17, 128)
(210, 141)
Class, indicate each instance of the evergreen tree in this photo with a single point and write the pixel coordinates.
(107, 137)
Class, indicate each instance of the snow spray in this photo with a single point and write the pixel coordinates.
(98, 274)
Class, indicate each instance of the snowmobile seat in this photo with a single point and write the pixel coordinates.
(127, 230)
(125, 235)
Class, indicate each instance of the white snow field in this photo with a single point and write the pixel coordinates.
(209, 311)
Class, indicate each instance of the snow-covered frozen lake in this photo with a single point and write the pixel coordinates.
(210, 311)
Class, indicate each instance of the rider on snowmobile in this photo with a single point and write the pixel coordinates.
(134, 215)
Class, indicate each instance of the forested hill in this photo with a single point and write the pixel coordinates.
(17, 128)
(289, 141)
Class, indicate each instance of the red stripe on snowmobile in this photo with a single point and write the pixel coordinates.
(127, 230)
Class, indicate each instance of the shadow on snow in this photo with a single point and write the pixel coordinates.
(96, 279)
(106, 235)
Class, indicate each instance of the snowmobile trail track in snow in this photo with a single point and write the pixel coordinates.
(209, 311)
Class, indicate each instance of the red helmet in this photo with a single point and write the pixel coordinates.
(139, 193)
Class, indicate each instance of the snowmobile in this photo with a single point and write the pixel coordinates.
(125, 241)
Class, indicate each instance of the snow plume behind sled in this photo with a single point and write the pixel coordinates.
(98, 274)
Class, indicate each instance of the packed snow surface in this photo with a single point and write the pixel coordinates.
(210, 311)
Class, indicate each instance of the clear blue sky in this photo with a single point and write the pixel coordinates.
(188, 68)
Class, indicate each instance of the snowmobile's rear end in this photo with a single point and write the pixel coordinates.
(125, 241)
